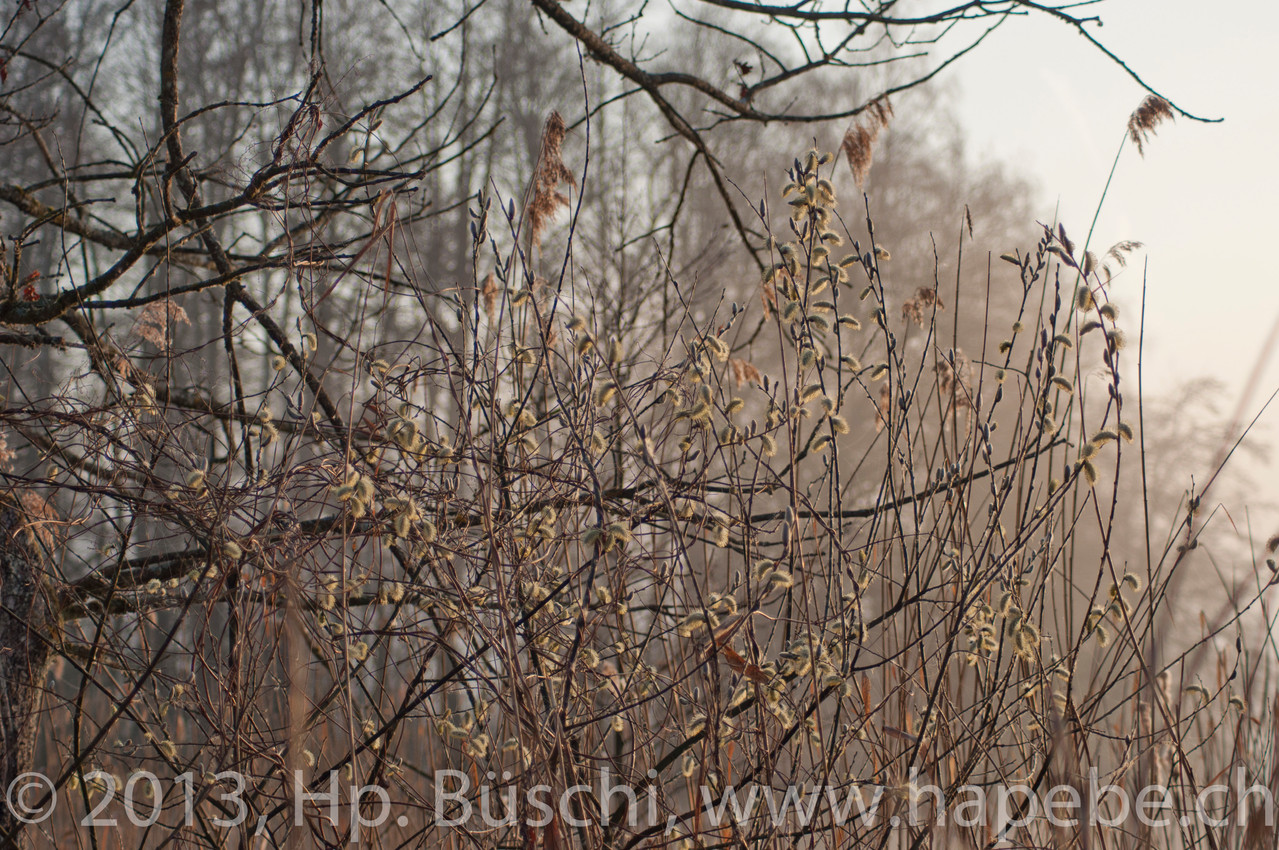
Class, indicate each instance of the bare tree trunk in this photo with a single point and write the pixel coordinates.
(25, 620)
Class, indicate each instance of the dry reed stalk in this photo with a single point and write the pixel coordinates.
(551, 173)
(1152, 112)
(859, 140)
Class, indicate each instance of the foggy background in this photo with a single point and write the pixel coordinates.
(1202, 199)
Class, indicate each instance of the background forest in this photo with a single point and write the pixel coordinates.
(554, 392)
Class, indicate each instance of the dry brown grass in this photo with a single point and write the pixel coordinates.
(551, 173)
(859, 141)
(1146, 118)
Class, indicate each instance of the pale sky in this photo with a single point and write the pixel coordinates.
(1202, 200)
